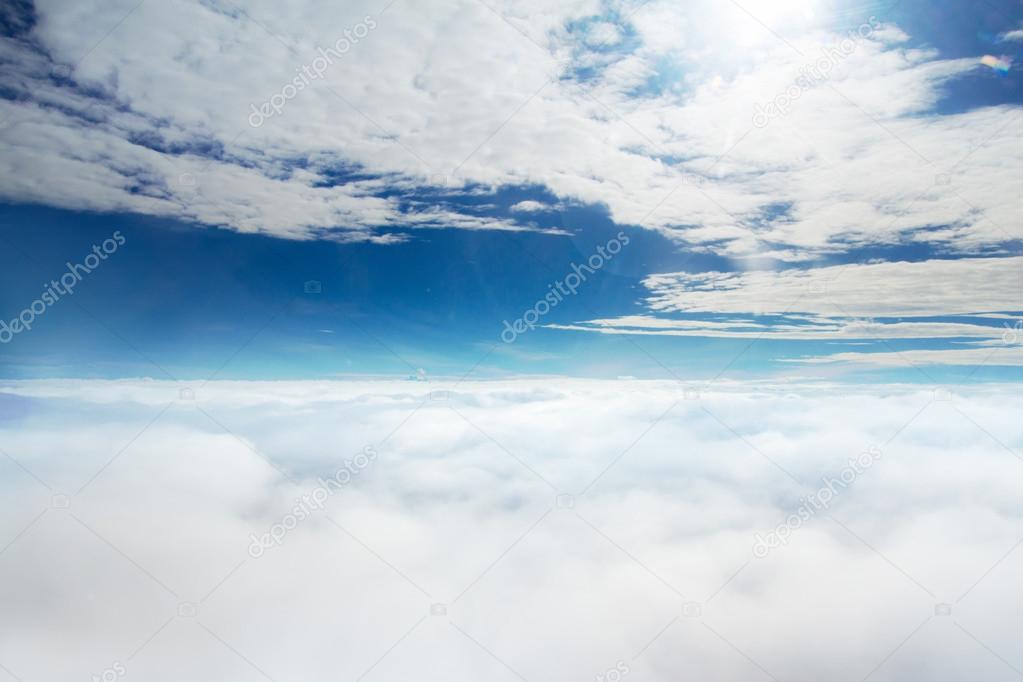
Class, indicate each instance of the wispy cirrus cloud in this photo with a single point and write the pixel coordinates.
(973, 299)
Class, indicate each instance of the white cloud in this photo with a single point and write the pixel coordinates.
(1007, 356)
(1012, 36)
(909, 289)
(822, 329)
(457, 500)
(530, 206)
(933, 299)
(443, 95)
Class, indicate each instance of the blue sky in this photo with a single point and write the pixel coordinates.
(597, 339)
(432, 213)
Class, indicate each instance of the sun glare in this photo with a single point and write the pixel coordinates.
(754, 22)
(777, 12)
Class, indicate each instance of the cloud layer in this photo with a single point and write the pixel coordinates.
(129, 511)
(650, 110)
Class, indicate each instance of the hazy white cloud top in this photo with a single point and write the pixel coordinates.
(531, 530)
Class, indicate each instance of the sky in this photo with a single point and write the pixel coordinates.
(491, 340)
(812, 190)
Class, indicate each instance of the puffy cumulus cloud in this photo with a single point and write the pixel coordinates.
(531, 206)
(652, 109)
(129, 512)
(967, 298)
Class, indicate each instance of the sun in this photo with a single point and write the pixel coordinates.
(777, 12)
(758, 21)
